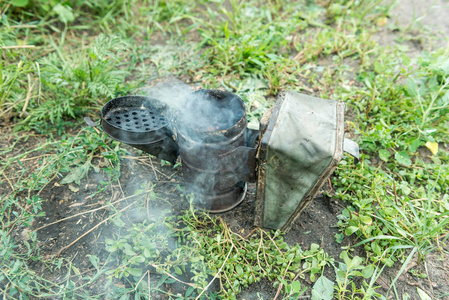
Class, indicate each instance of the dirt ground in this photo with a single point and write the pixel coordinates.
(316, 224)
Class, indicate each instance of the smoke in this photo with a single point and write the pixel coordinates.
(209, 126)
(200, 114)
(172, 93)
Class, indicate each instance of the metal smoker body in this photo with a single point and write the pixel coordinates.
(301, 141)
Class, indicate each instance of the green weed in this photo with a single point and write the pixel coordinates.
(70, 86)
(199, 249)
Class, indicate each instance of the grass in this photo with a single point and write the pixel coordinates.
(62, 61)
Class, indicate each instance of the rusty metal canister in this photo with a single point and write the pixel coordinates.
(211, 131)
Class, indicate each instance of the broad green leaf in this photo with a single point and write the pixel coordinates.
(384, 154)
(356, 263)
(296, 286)
(314, 247)
(135, 271)
(411, 87)
(76, 270)
(368, 271)
(77, 173)
(117, 220)
(414, 145)
(64, 12)
(139, 259)
(19, 3)
(322, 289)
(378, 67)
(350, 230)
(129, 252)
(239, 269)
(446, 201)
(376, 248)
(403, 158)
(445, 98)
(403, 185)
(189, 291)
(344, 255)
(339, 237)
(124, 297)
(366, 219)
(93, 260)
(440, 66)
(405, 60)
(178, 270)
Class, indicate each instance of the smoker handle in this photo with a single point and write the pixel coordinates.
(352, 148)
(91, 123)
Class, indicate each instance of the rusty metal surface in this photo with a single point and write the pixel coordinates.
(336, 158)
(300, 148)
(225, 201)
(214, 152)
(120, 108)
(140, 122)
(221, 123)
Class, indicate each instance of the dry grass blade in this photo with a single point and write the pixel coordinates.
(86, 212)
(90, 230)
(28, 96)
(218, 272)
(18, 47)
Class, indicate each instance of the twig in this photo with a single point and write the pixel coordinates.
(148, 271)
(428, 278)
(18, 47)
(34, 157)
(227, 232)
(394, 190)
(152, 167)
(143, 159)
(257, 254)
(90, 230)
(173, 277)
(7, 179)
(149, 286)
(85, 212)
(28, 96)
(221, 268)
(40, 82)
(274, 243)
(23, 26)
(301, 272)
(281, 284)
(229, 281)
(251, 233)
(260, 245)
